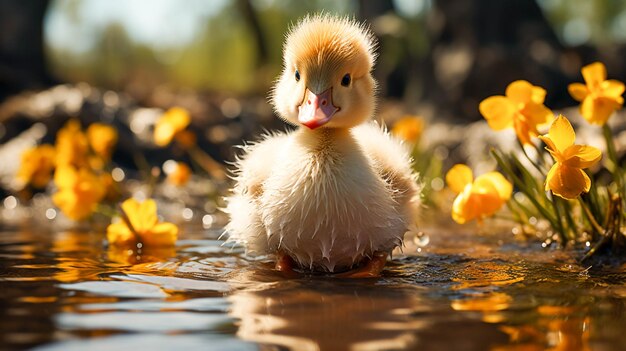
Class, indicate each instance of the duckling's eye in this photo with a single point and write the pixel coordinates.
(297, 76)
(345, 81)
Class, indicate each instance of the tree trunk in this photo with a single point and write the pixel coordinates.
(22, 61)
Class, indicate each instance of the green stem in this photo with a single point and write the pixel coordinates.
(525, 210)
(520, 184)
(207, 163)
(142, 165)
(610, 148)
(597, 228)
(517, 217)
(540, 151)
(539, 168)
(106, 210)
(571, 226)
(559, 221)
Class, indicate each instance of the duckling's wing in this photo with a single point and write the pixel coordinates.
(251, 169)
(391, 159)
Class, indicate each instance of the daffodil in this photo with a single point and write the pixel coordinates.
(409, 129)
(79, 191)
(37, 165)
(521, 108)
(102, 139)
(71, 145)
(477, 198)
(600, 97)
(173, 121)
(144, 226)
(566, 178)
(179, 175)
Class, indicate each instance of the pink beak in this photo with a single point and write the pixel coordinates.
(317, 110)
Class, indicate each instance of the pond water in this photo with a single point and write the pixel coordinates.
(66, 291)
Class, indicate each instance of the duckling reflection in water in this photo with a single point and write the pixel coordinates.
(337, 194)
(325, 315)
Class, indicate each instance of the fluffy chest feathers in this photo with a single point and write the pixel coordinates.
(326, 204)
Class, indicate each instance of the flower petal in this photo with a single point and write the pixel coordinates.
(549, 144)
(523, 131)
(562, 134)
(163, 134)
(598, 110)
(458, 177)
(612, 88)
(568, 182)
(578, 91)
(502, 186)
(65, 176)
(178, 117)
(162, 234)
(485, 198)
(520, 91)
(131, 210)
(537, 114)
(408, 128)
(594, 74)
(581, 156)
(498, 111)
(462, 209)
(147, 215)
(550, 176)
(119, 234)
(538, 95)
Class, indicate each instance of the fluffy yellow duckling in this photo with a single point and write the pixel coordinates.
(338, 193)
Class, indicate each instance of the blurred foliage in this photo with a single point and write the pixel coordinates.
(224, 54)
(596, 22)
(221, 56)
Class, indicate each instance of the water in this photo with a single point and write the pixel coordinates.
(66, 291)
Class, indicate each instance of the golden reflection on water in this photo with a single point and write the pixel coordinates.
(441, 301)
(133, 256)
(558, 328)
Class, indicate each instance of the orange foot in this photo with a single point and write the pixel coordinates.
(285, 264)
(371, 269)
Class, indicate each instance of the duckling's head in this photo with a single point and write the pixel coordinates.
(326, 79)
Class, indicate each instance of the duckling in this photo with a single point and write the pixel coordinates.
(338, 193)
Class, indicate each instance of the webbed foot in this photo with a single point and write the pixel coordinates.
(371, 269)
(285, 264)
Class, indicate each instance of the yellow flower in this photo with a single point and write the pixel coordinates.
(102, 139)
(146, 228)
(180, 175)
(71, 145)
(37, 165)
(477, 198)
(173, 121)
(522, 108)
(409, 129)
(79, 191)
(600, 97)
(566, 178)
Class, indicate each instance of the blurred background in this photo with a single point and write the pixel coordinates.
(116, 60)
(430, 51)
